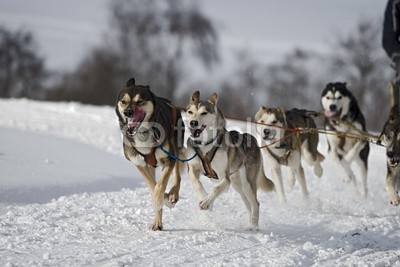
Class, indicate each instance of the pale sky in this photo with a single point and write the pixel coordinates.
(65, 30)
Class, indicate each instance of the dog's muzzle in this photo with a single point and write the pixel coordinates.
(196, 129)
(134, 117)
(392, 159)
(269, 134)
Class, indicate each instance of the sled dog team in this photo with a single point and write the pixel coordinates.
(154, 136)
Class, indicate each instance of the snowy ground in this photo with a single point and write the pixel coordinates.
(68, 197)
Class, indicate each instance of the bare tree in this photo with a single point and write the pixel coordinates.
(149, 40)
(153, 37)
(21, 68)
(358, 59)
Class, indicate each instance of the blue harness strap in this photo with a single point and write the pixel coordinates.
(176, 158)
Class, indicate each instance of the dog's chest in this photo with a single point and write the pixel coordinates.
(142, 145)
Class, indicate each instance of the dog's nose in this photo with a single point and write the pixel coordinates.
(194, 123)
(267, 132)
(332, 107)
(128, 112)
(390, 154)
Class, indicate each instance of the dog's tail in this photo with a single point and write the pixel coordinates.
(264, 183)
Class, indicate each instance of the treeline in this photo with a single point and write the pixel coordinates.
(166, 43)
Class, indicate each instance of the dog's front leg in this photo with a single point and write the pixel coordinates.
(173, 195)
(159, 192)
(277, 176)
(391, 186)
(194, 174)
(354, 151)
(217, 190)
(343, 167)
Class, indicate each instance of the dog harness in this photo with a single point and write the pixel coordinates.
(150, 158)
(209, 156)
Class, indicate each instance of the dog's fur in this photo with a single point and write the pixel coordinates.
(391, 134)
(343, 114)
(275, 124)
(236, 157)
(146, 122)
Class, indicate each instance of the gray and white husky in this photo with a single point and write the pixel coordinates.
(229, 157)
(343, 114)
(286, 148)
(391, 134)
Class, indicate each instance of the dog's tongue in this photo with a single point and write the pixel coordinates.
(329, 113)
(137, 117)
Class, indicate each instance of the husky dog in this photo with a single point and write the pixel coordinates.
(391, 134)
(284, 147)
(149, 125)
(343, 114)
(226, 156)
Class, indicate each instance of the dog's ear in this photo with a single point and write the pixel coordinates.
(258, 115)
(130, 82)
(394, 113)
(213, 99)
(194, 99)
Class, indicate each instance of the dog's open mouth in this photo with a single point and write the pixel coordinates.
(135, 120)
(394, 162)
(197, 131)
(331, 113)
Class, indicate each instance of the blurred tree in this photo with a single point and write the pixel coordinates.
(238, 92)
(147, 40)
(358, 59)
(22, 70)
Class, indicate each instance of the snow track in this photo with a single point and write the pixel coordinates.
(65, 200)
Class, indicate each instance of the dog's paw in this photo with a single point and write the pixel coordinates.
(156, 226)
(173, 195)
(167, 201)
(252, 228)
(395, 201)
(138, 160)
(347, 178)
(205, 205)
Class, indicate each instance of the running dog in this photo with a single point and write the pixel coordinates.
(284, 147)
(150, 125)
(391, 134)
(228, 157)
(343, 114)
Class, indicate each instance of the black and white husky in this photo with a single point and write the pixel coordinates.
(228, 157)
(285, 148)
(343, 114)
(391, 134)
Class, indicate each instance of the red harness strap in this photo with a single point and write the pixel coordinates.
(151, 157)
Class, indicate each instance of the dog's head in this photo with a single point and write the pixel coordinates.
(336, 100)
(134, 106)
(203, 117)
(391, 134)
(270, 123)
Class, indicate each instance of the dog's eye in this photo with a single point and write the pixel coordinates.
(190, 112)
(203, 113)
(262, 121)
(328, 98)
(140, 102)
(339, 97)
(274, 122)
(123, 102)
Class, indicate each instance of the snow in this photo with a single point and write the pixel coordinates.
(68, 197)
